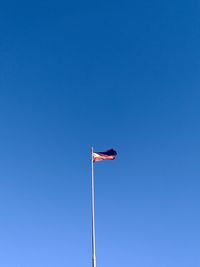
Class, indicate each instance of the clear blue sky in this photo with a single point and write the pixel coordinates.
(121, 74)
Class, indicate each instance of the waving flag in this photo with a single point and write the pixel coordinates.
(107, 155)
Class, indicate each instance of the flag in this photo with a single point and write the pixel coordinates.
(107, 155)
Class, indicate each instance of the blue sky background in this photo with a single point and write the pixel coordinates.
(121, 74)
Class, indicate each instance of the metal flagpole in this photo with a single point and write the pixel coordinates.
(93, 219)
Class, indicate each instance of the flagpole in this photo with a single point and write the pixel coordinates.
(93, 219)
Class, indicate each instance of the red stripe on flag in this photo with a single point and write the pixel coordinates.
(101, 157)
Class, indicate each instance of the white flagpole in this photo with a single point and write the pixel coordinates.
(93, 219)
